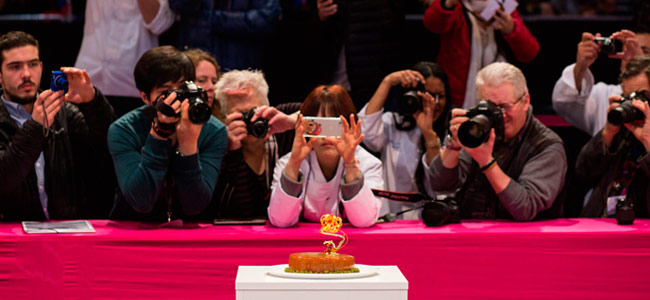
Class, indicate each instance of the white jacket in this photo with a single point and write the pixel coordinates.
(400, 153)
(115, 37)
(587, 109)
(319, 197)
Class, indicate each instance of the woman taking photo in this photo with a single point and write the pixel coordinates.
(330, 175)
(403, 138)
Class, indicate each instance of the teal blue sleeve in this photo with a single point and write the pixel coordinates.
(140, 169)
(196, 175)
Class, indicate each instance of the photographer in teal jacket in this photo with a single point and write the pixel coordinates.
(166, 167)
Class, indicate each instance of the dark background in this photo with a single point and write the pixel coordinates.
(558, 36)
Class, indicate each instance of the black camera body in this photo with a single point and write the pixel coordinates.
(199, 111)
(409, 102)
(483, 117)
(440, 212)
(259, 128)
(608, 46)
(624, 211)
(626, 112)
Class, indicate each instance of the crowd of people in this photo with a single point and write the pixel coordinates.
(160, 133)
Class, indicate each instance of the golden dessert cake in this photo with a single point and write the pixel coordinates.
(329, 261)
(321, 262)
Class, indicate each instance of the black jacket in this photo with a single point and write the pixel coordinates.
(78, 170)
(371, 31)
(599, 167)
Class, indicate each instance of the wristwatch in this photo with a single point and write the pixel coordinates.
(433, 144)
(448, 144)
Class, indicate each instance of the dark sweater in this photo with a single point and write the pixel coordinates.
(599, 167)
(535, 160)
(240, 192)
(77, 173)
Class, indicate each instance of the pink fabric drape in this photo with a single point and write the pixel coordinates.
(565, 258)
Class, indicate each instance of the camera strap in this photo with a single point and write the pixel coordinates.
(165, 109)
(410, 197)
(164, 130)
(404, 122)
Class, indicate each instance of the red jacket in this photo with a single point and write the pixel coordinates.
(454, 55)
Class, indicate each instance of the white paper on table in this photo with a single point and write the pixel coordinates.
(58, 227)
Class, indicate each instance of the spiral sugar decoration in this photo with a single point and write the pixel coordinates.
(331, 225)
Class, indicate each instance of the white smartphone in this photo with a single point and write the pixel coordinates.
(322, 127)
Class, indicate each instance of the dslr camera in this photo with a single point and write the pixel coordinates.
(59, 82)
(624, 211)
(199, 110)
(259, 128)
(483, 117)
(440, 212)
(626, 112)
(409, 102)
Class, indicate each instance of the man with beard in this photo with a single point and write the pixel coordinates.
(48, 140)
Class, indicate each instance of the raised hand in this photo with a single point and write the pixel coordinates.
(587, 50)
(457, 117)
(483, 153)
(187, 132)
(351, 137)
(424, 118)
(405, 78)
(586, 55)
(162, 118)
(326, 9)
(278, 121)
(80, 89)
(236, 130)
(631, 46)
(610, 130)
(641, 129)
(52, 101)
(503, 22)
(301, 148)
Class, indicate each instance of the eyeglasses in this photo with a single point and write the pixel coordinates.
(505, 107)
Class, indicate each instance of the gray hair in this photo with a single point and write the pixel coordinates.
(498, 73)
(241, 80)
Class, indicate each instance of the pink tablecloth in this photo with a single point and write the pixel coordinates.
(566, 258)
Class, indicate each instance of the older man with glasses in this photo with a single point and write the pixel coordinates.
(515, 176)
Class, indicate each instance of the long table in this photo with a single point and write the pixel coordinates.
(564, 258)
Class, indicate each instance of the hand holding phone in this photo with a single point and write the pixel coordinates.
(322, 127)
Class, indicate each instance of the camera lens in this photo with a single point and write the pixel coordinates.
(475, 131)
(259, 128)
(199, 111)
(624, 113)
(409, 103)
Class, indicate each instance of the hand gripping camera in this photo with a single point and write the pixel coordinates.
(626, 112)
(199, 110)
(483, 117)
(258, 128)
(409, 103)
(608, 47)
